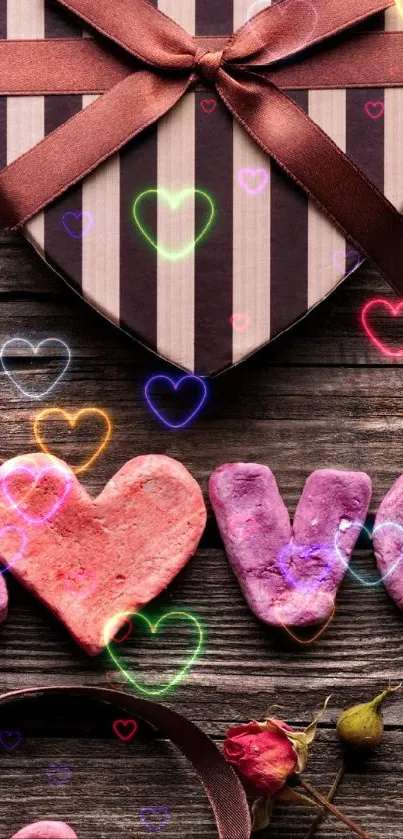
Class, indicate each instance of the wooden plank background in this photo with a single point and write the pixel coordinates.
(319, 396)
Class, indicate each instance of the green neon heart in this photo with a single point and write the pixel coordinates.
(174, 199)
(110, 628)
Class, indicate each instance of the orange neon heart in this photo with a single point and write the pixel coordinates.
(72, 419)
(320, 631)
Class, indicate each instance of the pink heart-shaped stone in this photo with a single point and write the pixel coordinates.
(46, 830)
(129, 542)
(289, 574)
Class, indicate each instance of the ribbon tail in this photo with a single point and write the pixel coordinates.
(320, 168)
(82, 143)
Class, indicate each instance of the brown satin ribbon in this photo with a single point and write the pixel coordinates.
(245, 73)
(223, 788)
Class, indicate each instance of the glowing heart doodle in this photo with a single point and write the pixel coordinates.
(33, 394)
(305, 606)
(162, 813)
(176, 385)
(36, 474)
(80, 584)
(58, 773)
(341, 260)
(246, 177)
(394, 310)
(153, 628)
(361, 526)
(174, 201)
(239, 321)
(71, 217)
(208, 106)
(125, 729)
(305, 552)
(115, 679)
(374, 110)
(72, 419)
(10, 740)
(8, 529)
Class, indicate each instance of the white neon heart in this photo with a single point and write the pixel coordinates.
(34, 395)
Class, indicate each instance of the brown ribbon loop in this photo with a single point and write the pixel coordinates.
(275, 122)
(223, 788)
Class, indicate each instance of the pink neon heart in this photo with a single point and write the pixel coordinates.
(39, 473)
(259, 176)
(125, 729)
(374, 110)
(394, 311)
(208, 105)
(239, 321)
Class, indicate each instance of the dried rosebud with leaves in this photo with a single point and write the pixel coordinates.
(361, 725)
(269, 754)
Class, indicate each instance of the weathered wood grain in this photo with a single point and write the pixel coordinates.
(319, 396)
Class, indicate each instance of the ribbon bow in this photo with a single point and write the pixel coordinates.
(275, 44)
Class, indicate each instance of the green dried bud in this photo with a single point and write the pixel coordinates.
(362, 725)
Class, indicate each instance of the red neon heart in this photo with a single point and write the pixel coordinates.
(120, 725)
(374, 110)
(208, 105)
(394, 310)
(239, 321)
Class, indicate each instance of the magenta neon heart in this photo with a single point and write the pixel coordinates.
(70, 216)
(36, 474)
(260, 176)
(374, 110)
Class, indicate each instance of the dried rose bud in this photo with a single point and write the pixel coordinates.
(362, 725)
(263, 756)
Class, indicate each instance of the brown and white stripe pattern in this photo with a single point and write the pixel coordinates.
(268, 256)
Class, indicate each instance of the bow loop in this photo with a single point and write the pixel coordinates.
(207, 64)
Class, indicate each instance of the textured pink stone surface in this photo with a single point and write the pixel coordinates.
(95, 558)
(388, 541)
(289, 575)
(3, 599)
(46, 830)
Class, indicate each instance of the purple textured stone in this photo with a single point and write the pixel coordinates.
(46, 830)
(289, 575)
(3, 599)
(388, 541)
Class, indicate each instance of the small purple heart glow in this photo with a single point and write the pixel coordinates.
(14, 738)
(58, 773)
(85, 216)
(161, 812)
(346, 262)
(305, 552)
(195, 410)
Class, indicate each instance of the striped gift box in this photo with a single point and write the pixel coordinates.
(268, 256)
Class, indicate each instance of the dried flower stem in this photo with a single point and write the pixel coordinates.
(322, 815)
(320, 799)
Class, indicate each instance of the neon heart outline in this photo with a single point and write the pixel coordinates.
(56, 506)
(203, 102)
(346, 254)
(35, 350)
(381, 301)
(154, 810)
(304, 550)
(15, 746)
(308, 641)
(233, 319)
(247, 171)
(367, 109)
(175, 385)
(56, 766)
(21, 551)
(153, 627)
(362, 526)
(72, 419)
(174, 199)
(76, 215)
(128, 737)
